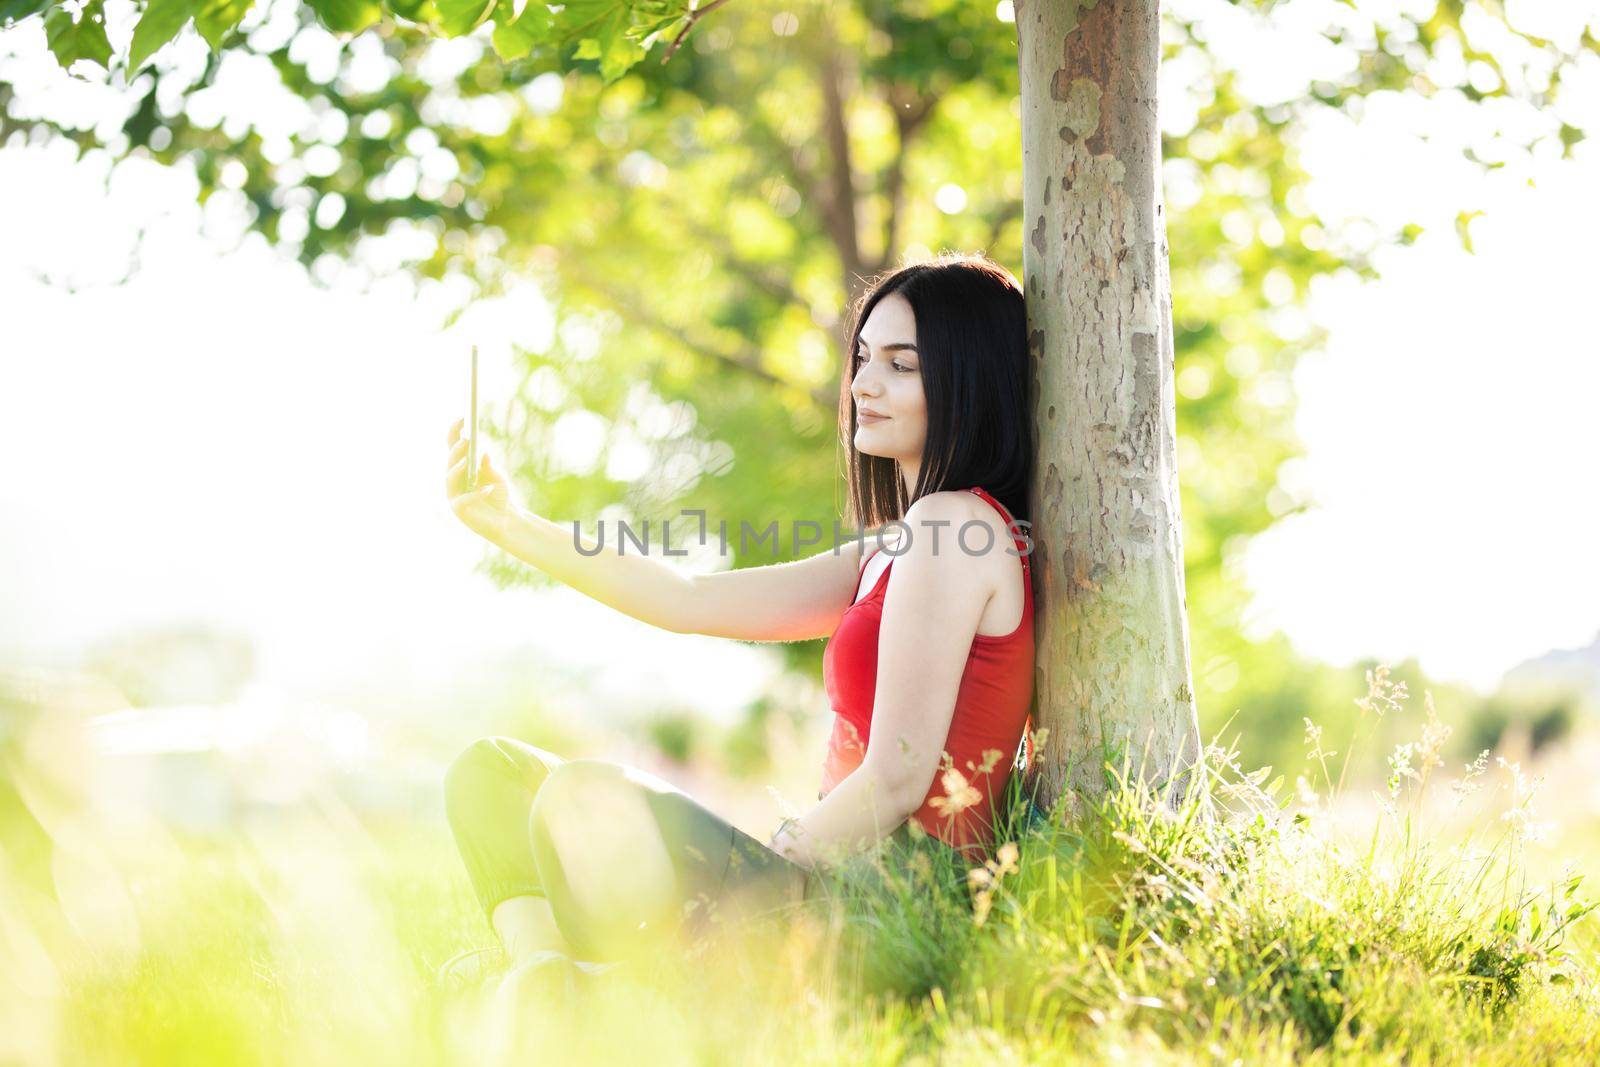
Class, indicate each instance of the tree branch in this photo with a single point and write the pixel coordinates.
(840, 208)
(1009, 214)
(755, 273)
(694, 16)
(910, 112)
(791, 157)
(744, 359)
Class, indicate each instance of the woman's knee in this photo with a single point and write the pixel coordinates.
(592, 808)
(486, 766)
(590, 819)
(569, 790)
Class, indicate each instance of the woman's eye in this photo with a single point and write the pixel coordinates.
(861, 356)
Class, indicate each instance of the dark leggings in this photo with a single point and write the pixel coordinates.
(495, 795)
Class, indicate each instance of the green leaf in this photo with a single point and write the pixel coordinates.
(621, 53)
(16, 10)
(1464, 228)
(347, 16)
(589, 18)
(458, 17)
(215, 19)
(92, 42)
(413, 10)
(84, 39)
(516, 35)
(61, 34)
(510, 42)
(604, 31)
(160, 23)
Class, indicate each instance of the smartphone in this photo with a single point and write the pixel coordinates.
(472, 425)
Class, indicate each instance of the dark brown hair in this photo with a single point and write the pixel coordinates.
(972, 352)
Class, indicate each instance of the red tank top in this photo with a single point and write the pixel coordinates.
(990, 715)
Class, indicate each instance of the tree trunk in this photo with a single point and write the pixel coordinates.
(1113, 679)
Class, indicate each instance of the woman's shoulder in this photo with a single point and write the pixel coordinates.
(937, 517)
(956, 506)
(946, 503)
(941, 523)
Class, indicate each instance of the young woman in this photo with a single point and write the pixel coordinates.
(928, 666)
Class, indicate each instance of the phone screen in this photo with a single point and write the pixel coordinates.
(472, 425)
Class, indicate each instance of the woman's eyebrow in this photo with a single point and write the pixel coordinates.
(892, 346)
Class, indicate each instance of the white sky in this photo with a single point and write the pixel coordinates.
(1452, 444)
(1449, 423)
(219, 440)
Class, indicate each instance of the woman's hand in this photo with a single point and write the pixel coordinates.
(487, 507)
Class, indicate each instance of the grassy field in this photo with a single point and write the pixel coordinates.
(1427, 923)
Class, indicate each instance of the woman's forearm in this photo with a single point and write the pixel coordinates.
(856, 814)
(632, 583)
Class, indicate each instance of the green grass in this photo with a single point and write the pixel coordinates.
(1243, 927)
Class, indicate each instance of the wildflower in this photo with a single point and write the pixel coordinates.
(1314, 742)
(984, 880)
(1523, 814)
(1464, 787)
(959, 794)
(1382, 694)
(784, 806)
(1313, 732)
(1400, 767)
(1385, 804)
(852, 741)
(1434, 734)
(991, 756)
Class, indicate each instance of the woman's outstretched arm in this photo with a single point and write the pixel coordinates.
(636, 585)
(784, 602)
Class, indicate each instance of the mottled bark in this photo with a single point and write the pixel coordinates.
(1113, 678)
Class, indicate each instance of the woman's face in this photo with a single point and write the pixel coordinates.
(888, 380)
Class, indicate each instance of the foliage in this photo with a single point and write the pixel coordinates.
(700, 226)
(615, 33)
(1238, 914)
(1240, 926)
(1541, 723)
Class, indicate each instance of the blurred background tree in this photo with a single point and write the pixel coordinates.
(702, 225)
